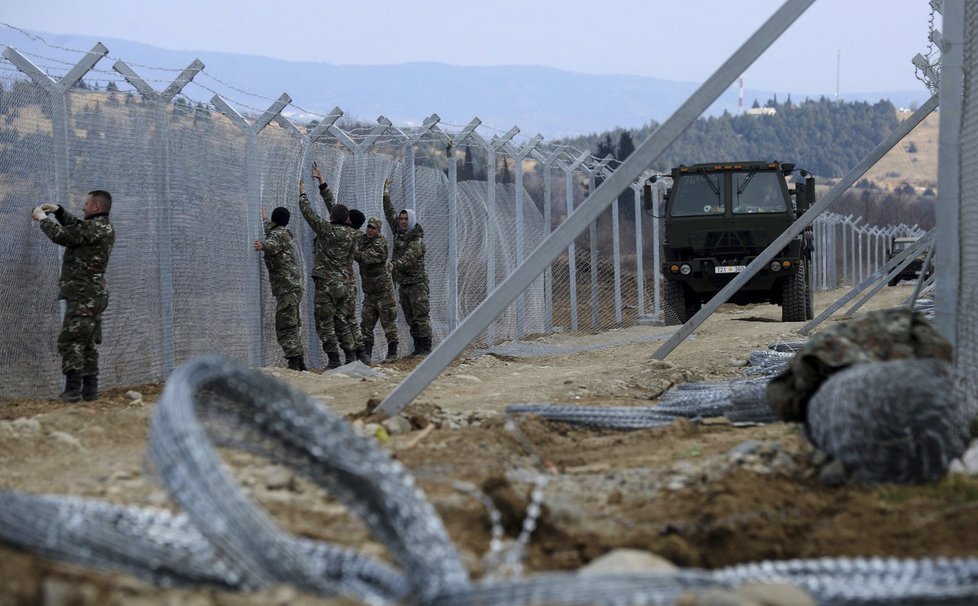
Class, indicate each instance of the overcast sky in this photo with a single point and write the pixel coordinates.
(675, 40)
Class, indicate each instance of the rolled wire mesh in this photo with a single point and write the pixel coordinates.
(225, 540)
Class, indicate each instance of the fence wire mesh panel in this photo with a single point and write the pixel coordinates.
(188, 181)
(29, 269)
(966, 352)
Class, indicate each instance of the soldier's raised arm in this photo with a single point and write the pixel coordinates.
(389, 211)
(324, 191)
(317, 223)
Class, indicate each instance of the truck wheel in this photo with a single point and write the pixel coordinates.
(809, 299)
(794, 292)
(675, 310)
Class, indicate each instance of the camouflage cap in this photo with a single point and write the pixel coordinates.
(889, 334)
(373, 222)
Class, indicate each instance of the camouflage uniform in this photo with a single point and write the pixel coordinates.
(890, 334)
(347, 317)
(286, 282)
(378, 290)
(410, 275)
(88, 243)
(333, 250)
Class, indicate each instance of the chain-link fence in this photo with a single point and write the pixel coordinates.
(189, 179)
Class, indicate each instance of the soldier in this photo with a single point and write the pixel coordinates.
(333, 250)
(409, 272)
(378, 290)
(286, 281)
(348, 315)
(88, 243)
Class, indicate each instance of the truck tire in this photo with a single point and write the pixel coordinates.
(809, 299)
(675, 311)
(794, 294)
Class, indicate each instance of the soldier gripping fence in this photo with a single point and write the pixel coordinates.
(286, 282)
(88, 243)
(409, 272)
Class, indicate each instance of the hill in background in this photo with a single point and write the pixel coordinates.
(537, 99)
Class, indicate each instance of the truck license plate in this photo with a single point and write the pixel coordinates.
(730, 269)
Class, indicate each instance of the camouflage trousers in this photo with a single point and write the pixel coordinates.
(378, 306)
(81, 331)
(332, 301)
(414, 303)
(349, 318)
(288, 323)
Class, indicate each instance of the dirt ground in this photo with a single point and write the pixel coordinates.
(679, 491)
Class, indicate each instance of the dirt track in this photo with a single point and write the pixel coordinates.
(676, 491)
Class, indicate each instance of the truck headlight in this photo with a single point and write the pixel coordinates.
(685, 269)
(775, 266)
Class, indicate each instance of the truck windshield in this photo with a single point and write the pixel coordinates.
(697, 194)
(758, 192)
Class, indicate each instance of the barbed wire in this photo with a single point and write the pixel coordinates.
(112, 76)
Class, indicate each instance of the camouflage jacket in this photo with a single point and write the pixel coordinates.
(409, 249)
(280, 259)
(889, 334)
(333, 248)
(328, 200)
(88, 244)
(372, 257)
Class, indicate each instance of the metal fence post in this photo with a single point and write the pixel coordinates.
(569, 169)
(548, 278)
(592, 172)
(450, 144)
(253, 161)
(166, 207)
(519, 154)
(615, 245)
(643, 156)
(410, 196)
(492, 147)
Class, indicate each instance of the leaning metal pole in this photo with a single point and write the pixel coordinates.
(796, 228)
(594, 205)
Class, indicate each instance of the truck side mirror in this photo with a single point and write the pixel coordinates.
(648, 200)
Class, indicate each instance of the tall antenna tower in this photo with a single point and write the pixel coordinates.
(838, 69)
(740, 100)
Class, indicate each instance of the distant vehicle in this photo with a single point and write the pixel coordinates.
(718, 217)
(912, 270)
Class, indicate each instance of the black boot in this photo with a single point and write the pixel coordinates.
(391, 351)
(300, 364)
(368, 354)
(363, 356)
(334, 359)
(422, 346)
(351, 355)
(89, 391)
(73, 387)
(293, 362)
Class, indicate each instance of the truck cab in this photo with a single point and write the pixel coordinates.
(717, 218)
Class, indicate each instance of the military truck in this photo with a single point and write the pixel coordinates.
(911, 271)
(718, 217)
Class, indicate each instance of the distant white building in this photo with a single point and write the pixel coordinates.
(761, 111)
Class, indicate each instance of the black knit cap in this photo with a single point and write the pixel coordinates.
(339, 214)
(281, 216)
(356, 218)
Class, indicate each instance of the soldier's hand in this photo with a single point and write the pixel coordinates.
(387, 185)
(38, 215)
(302, 186)
(258, 245)
(264, 215)
(50, 208)
(317, 174)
